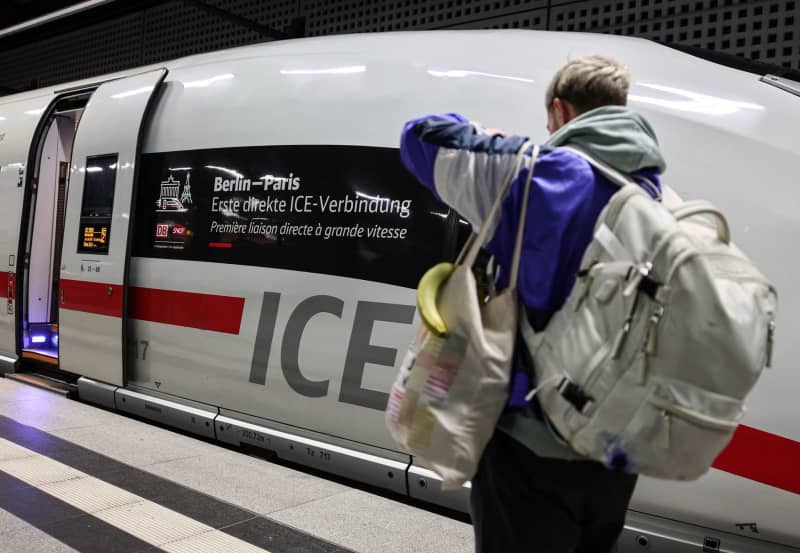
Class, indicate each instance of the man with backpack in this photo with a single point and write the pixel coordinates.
(531, 492)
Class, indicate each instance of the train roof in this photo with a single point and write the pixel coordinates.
(455, 45)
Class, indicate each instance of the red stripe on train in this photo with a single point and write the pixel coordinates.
(3, 284)
(189, 309)
(91, 297)
(763, 457)
(753, 454)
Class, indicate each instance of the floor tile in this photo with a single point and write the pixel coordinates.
(370, 524)
(251, 483)
(277, 538)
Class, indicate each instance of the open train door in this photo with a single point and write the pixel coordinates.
(18, 123)
(96, 250)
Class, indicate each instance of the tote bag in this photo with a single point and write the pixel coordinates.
(451, 388)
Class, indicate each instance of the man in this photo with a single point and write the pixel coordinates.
(531, 493)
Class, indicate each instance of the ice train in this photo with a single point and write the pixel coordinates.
(229, 244)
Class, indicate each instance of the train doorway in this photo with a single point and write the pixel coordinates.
(43, 232)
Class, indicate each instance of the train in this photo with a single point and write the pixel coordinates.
(228, 244)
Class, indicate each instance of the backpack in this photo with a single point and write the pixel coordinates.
(646, 366)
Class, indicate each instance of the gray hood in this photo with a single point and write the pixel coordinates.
(614, 135)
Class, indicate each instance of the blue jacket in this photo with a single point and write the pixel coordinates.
(464, 166)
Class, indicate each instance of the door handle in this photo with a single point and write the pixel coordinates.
(62, 296)
(11, 291)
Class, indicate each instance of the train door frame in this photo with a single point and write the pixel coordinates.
(69, 100)
(93, 285)
(20, 120)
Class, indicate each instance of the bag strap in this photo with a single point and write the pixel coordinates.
(702, 207)
(618, 178)
(515, 260)
(470, 251)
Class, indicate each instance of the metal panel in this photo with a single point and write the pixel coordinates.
(18, 122)
(646, 533)
(755, 30)
(91, 302)
(426, 485)
(531, 19)
(8, 364)
(343, 16)
(364, 467)
(792, 87)
(194, 418)
(200, 31)
(96, 392)
(216, 367)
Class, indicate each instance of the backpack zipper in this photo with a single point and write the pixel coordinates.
(666, 429)
(651, 342)
(693, 416)
(770, 341)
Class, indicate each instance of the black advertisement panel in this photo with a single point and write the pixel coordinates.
(340, 210)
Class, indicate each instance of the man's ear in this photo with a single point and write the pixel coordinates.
(559, 113)
(565, 111)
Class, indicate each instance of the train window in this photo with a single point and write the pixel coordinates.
(97, 204)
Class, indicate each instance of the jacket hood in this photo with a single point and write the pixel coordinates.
(614, 135)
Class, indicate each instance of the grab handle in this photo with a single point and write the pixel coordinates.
(702, 207)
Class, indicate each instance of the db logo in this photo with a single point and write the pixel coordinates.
(162, 230)
(178, 230)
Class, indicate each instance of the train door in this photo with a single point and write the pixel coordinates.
(95, 253)
(43, 219)
(18, 123)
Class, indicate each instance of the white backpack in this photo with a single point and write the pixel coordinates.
(667, 329)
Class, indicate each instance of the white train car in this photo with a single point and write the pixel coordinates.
(229, 244)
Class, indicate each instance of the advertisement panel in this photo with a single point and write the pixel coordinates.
(340, 210)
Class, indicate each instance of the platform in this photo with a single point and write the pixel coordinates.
(74, 477)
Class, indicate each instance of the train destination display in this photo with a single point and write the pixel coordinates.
(93, 236)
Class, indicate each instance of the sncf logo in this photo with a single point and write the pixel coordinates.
(162, 230)
(178, 229)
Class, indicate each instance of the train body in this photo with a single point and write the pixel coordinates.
(229, 244)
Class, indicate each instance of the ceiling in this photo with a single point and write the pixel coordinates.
(18, 11)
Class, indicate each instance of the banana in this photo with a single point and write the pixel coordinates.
(427, 294)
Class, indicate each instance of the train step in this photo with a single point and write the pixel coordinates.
(45, 382)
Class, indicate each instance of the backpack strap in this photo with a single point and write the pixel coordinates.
(617, 177)
(702, 207)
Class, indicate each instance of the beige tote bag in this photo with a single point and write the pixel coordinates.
(451, 389)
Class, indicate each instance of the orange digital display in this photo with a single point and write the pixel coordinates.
(94, 237)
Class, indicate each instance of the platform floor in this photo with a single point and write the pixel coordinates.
(74, 477)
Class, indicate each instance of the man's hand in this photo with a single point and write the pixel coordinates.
(496, 131)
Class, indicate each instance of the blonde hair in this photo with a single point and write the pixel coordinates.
(589, 82)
